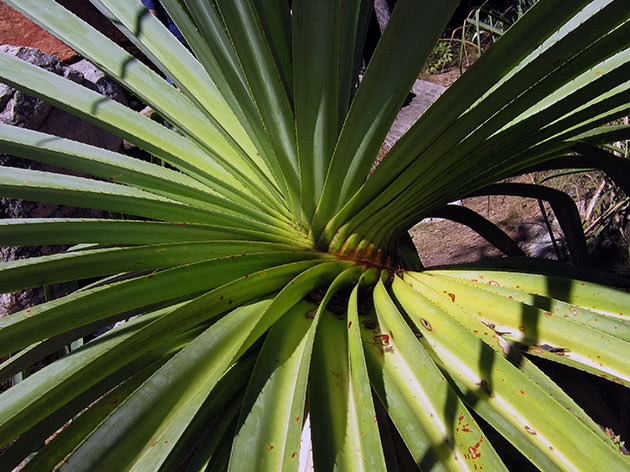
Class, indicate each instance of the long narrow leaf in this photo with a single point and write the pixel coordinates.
(396, 62)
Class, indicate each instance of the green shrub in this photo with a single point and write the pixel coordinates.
(441, 57)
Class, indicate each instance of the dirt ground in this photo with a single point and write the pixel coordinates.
(445, 79)
(442, 242)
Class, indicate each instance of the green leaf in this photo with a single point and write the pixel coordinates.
(431, 155)
(330, 402)
(344, 433)
(145, 428)
(302, 285)
(542, 330)
(217, 440)
(275, 16)
(119, 120)
(81, 192)
(221, 62)
(35, 398)
(216, 415)
(134, 75)
(271, 418)
(176, 62)
(319, 70)
(256, 58)
(36, 271)
(68, 439)
(436, 426)
(265, 222)
(487, 377)
(113, 167)
(396, 62)
(48, 319)
(31, 231)
(98, 361)
(609, 301)
(29, 356)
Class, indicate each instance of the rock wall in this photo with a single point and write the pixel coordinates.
(19, 109)
(17, 30)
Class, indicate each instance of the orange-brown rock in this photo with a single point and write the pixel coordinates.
(17, 30)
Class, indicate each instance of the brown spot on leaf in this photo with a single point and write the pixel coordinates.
(529, 430)
(426, 324)
(472, 450)
(553, 349)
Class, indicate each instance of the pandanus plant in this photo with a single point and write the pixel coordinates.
(264, 285)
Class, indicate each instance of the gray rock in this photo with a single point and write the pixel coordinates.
(17, 108)
(95, 79)
(541, 246)
(73, 75)
(35, 57)
(383, 10)
(425, 94)
(6, 94)
(24, 111)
